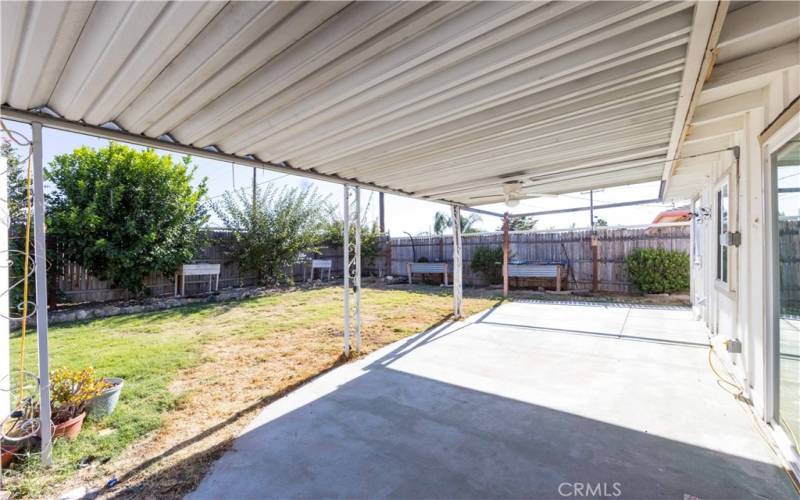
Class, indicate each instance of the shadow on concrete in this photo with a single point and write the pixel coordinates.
(172, 482)
(388, 433)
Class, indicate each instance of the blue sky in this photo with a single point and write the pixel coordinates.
(402, 214)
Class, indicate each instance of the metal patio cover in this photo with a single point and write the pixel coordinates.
(441, 101)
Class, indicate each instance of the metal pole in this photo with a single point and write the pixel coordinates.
(254, 194)
(506, 245)
(41, 293)
(357, 277)
(5, 350)
(458, 306)
(381, 207)
(591, 210)
(346, 252)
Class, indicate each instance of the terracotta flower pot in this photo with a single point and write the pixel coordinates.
(70, 428)
(8, 453)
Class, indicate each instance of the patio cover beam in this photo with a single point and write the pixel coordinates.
(346, 266)
(122, 135)
(41, 294)
(458, 302)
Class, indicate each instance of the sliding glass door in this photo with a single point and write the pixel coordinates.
(786, 217)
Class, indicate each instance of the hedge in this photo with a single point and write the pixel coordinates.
(655, 270)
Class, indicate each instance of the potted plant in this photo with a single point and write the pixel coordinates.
(70, 391)
(105, 403)
(7, 453)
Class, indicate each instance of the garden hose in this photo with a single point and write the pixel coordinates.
(739, 396)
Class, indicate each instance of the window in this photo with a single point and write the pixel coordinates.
(722, 230)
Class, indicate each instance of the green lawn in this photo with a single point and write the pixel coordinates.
(290, 336)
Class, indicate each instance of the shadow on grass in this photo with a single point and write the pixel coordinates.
(178, 479)
(178, 475)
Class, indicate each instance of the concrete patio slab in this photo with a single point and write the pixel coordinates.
(530, 400)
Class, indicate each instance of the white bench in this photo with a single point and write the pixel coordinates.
(210, 270)
(321, 265)
(426, 268)
(536, 271)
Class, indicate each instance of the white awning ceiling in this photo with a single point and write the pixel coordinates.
(444, 101)
(756, 75)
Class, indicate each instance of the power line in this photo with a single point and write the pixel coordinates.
(243, 188)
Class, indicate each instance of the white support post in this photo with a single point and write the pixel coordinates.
(458, 303)
(40, 252)
(5, 293)
(346, 252)
(357, 277)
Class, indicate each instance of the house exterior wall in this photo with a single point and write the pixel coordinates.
(741, 310)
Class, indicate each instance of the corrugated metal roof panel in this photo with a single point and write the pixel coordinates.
(447, 101)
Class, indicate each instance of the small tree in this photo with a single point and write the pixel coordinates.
(123, 214)
(270, 236)
(333, 235)
(488, 261)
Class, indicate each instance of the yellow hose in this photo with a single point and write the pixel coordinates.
(26, 268)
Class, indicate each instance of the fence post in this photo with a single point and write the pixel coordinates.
(594, 262)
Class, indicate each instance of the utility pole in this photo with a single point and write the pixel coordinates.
(381, 219)
(254, 191)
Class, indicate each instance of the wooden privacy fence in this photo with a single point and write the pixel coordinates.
(571, 247)
(77, 285)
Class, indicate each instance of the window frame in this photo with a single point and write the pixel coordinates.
(722, 272)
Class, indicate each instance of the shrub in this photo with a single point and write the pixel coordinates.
(124, 214)
(488, 261)
(71, 390)
(655, 270)
(333, 232)
(271, 236)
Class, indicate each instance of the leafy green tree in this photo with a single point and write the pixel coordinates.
(124, 214)
(17, 215)
(600, 222)
(270, 236)
(442, 221)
